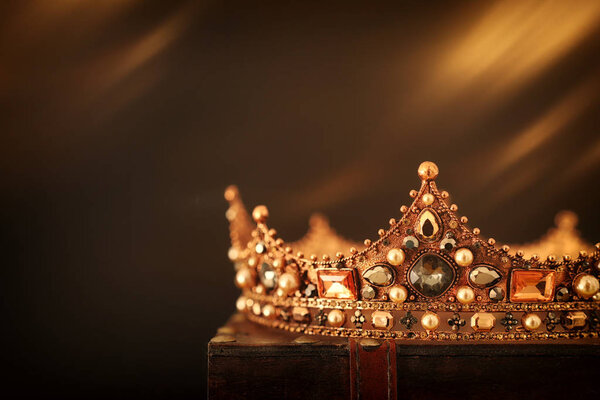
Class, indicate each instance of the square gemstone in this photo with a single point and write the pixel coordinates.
(336, 284)
(532, 285)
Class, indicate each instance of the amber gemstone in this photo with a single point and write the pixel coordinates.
(532, 285)
(301, 314)
(336, 284)
(483, 321)
(431, 275)
(379, 275)
(574, 319)
(428, 225)
(382, 320)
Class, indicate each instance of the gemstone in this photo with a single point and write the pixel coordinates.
(428, 225)
(301, 314)
(483, 321)
(562, 294)
(484, 276)
(367, 292)
(379, 275)
(410, 242)
(267, 275)
(574, 320)
(310, 290)
(431, 275)
(382, 319)
(532, 285)
(336, 283)
(260, 248)
(496, 294)
(447, 244)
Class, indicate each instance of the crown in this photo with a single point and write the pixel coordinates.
(428, 276)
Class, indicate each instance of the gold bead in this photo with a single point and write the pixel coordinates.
(428, 171)
(398, 294)
(231, 193)
(428, 199)
(413, 193)
(244, 278)
(260, 214)
(395, 256)
(476, 231)
(269, 311)
(445, 194)
(430, 321)
(463, 257)
(336, 318)
(531, 321)
(240, 304)
(465, 294)
(586, 285)
(288, 282)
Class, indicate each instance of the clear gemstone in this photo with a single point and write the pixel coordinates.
(484, 276)
(382, 319)
(483, 321)
(431, 275)
(310, 291)
(267, 275)
(574, 319)
(301, 314)
(379, 275)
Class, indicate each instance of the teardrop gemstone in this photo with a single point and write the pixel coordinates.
(379, 275)
(431, 275)
(429, 225)
(484, 276)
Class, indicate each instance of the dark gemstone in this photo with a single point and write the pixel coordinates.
(379, 275)
(484, 276)
(310, 291)
(386, 242)
(562, 294)
(267, 275)
(496, 294)
(260, 248)
(367, 292)
(431, 275)
(340, 265)
(411, 242)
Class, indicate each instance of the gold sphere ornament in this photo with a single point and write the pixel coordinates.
(244, 278)
(395, 256)
(430, 321)
(240, 304)
(463, 257)
(531, 321)
(260, 214)
(269, 311)
(428, 171)
(288, 282)
(428, 199)
(336, 318)
(465, 295)
(586, 285)
(398, 294)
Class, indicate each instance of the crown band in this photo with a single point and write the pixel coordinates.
(426, 277)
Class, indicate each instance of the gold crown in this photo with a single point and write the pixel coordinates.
(426, 277)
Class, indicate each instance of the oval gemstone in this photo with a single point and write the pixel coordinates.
(484, 276)
(379, 275)
(429, 225)
(431, 275)
(267, 275)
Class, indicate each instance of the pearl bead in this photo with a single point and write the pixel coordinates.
(586, 285)
(336, 318)
(430, 321)
(398, 294)
(288, 282)
(244, 278)
(463, 257)
(428, 199)
(240, 304)
(465, 294)
(531, 321)
(395, 256)
(260, 214)
(428, 171)
(269, 311)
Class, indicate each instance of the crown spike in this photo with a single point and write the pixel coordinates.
(428, 171)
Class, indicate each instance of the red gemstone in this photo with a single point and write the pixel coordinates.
(336, 284)
(532, 285)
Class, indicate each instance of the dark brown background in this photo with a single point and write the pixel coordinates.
(123, 121)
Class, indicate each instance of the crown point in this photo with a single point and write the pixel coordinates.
(231, 192)
(260, 214)
(428, 171)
